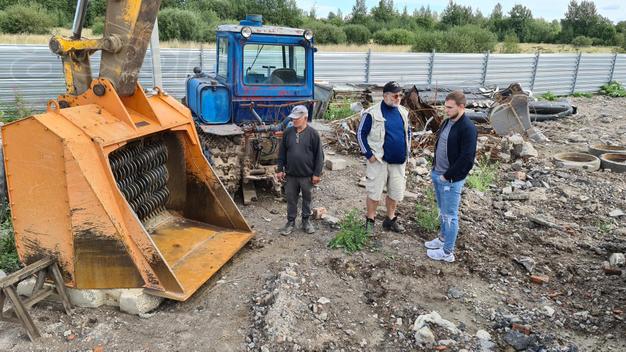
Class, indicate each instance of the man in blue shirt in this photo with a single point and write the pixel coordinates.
(455, 151)
(385, 139)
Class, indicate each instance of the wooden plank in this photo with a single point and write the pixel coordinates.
(22, 314)
(41, 278)
(60, 287)
(23, 273)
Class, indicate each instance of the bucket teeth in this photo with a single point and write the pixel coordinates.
(141, 175)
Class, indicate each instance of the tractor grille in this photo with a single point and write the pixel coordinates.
(141, 175)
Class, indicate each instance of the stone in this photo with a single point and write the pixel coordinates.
(336, 164)
(421, 170)
(424, 336)
(517, 165)
(455, 293)
(616, 213)
(323, 300)
(331, 221)
(318, 213)
(517, 340)
(507, 190)
(575, 138)
(434, 318)
(527, 262)
(420, 161)
(617, 259)
(25, 287)
(549, 311)
(483, 335)
(410, 195)
(504, 157)
(137, 301)
(2, 274)
(528, 151)
(323, 316)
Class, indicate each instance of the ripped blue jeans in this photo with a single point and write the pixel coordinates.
(448, 196)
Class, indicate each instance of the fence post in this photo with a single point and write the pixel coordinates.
(612, 72)
(484, 73)
(368, 62)
(534, 74)
(575, 78)
(201, 62)
(431, 64)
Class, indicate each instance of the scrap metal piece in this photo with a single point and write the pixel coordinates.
(510, 114)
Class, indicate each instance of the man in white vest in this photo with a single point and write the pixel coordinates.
(385, 139)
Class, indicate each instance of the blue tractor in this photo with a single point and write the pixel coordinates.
(241, 108)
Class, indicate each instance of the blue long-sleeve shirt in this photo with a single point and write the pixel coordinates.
(394, 146)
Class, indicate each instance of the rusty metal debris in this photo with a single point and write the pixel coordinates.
(425, 122)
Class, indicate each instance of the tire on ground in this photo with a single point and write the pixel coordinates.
(614, 161)
(581, 161)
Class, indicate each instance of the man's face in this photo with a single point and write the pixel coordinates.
(392, 99)
(299, 123)
(452, 109)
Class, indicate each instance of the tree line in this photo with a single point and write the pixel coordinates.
(458, 28)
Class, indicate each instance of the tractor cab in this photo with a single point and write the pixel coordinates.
(261, 72)
(242, 107)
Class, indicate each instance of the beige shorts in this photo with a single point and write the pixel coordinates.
(380, 174)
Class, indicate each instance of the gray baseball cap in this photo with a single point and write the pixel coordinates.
(298, 112)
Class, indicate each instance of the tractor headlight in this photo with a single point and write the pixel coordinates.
(246, 32)
(308, 35)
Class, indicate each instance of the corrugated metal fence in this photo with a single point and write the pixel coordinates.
(35, 74)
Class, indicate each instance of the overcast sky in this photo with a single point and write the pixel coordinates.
(615, 10)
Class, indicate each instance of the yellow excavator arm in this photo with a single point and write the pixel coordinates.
(111, 181)
(127, 30)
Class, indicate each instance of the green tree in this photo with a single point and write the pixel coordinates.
(424, 18)
(456, 15)
(21, 18)
(357, 34)
(510, 44)
(384, 12)
(326, 33)
(396, 36)
(519, 20)
(581, 41)
(359, 12)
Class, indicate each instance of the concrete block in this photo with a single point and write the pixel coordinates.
(86, 298)
(136, 301)
(336, 164)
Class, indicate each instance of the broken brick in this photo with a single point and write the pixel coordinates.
(539, 279)
(524, 329)
(318, 213)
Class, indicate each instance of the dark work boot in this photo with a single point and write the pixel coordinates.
(369, 225)
(307, 226)
(392, 224)
(288, 229)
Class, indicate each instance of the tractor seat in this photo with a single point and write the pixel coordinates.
(284, 76)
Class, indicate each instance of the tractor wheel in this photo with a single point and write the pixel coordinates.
(225, 154)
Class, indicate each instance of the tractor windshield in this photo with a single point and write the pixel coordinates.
(274, 64)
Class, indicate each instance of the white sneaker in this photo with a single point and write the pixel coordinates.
(439, 254)
(434, 244)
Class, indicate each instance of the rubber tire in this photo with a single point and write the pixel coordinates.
(549, 108)
(564, 160)
(549, 117)
(477, 116)
(614, 166)
(599, 149)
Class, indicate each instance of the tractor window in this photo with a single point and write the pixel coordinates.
(222, 57)
(274, 64)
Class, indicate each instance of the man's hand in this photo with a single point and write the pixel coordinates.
(442, 178)
(372, 159)
(315, 180)
(280, 176)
